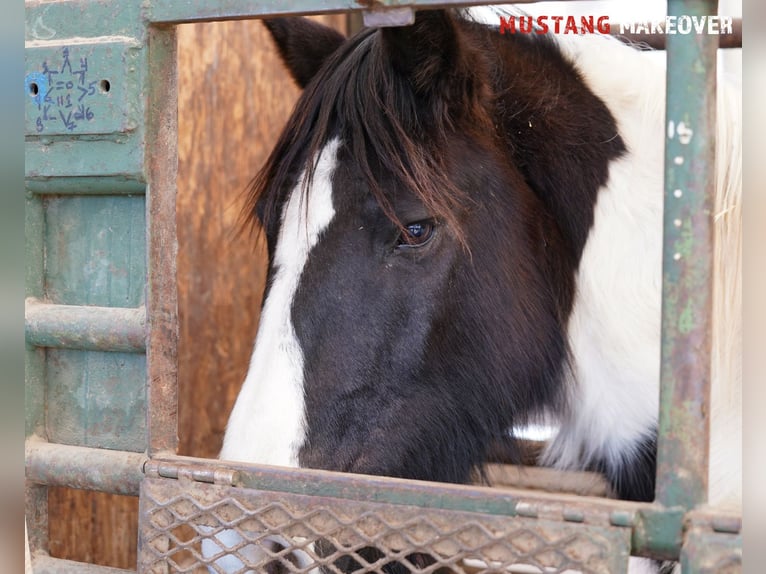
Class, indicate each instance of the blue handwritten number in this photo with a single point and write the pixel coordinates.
(82, 70)
(52, 107)
(83, 113)
(66, 63)
(68, 123)
(48, 72)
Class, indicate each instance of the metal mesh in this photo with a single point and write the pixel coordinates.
(188, 526)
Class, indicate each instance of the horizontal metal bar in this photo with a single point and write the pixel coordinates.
(504, 501)
(111, 471)
(42, 564)
(85, 158)
(181, 11)
(95, 185)
(658, 41)
(84, 327)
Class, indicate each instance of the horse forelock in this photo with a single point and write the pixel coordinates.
(385, 127)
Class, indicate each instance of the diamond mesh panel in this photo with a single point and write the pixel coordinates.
(189, 526)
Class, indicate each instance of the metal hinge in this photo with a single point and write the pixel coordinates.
(207, 473)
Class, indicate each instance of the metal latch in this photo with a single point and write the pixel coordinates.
(206, 473)
(379, 18)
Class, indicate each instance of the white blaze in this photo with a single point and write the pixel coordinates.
(267, 423)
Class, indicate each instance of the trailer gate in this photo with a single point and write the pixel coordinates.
(101, 394)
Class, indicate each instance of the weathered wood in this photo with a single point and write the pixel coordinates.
(93, 527)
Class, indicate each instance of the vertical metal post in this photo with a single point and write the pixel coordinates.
(682, 458)
(162, 244)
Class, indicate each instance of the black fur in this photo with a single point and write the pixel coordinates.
(304, 45)
(636, 480)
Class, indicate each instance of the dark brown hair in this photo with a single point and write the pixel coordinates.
(393, 110)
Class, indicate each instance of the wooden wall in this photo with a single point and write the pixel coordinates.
(234, 97)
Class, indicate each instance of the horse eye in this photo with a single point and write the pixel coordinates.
(416, 234)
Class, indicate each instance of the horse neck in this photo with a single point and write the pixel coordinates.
(560, 131)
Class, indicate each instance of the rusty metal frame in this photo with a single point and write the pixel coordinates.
(673, 526)
(687, 288)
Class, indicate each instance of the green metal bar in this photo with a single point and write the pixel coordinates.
(111, 471)
(48, 21)
(91, 185)
(505, 501)
(181, 11)
(120, 159)
(34, 359)
(682, 458)
(85, 327)
(658, 532)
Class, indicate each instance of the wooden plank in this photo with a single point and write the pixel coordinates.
(93, 527)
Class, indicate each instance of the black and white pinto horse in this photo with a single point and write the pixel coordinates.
(464, 236)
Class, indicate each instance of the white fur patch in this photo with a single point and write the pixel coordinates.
(615, 323)
(267, 423)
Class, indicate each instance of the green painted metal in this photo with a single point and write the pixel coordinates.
(706, 551)
(64, 20)
(87, 184)
(81, 87)
(311, 482)
(658, 532)
(85, 327)
(176, 12)
(117, 158)
(111, 471)
(96, 399)
(94, 255)
(108, 139)
(687, 262)
(95, 249)
(34, 358)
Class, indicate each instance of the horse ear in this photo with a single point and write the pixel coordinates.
(430, 52)
(304, 45)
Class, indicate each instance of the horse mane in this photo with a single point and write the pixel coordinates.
(388, 123)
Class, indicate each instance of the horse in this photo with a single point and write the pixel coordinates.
(464, 235)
